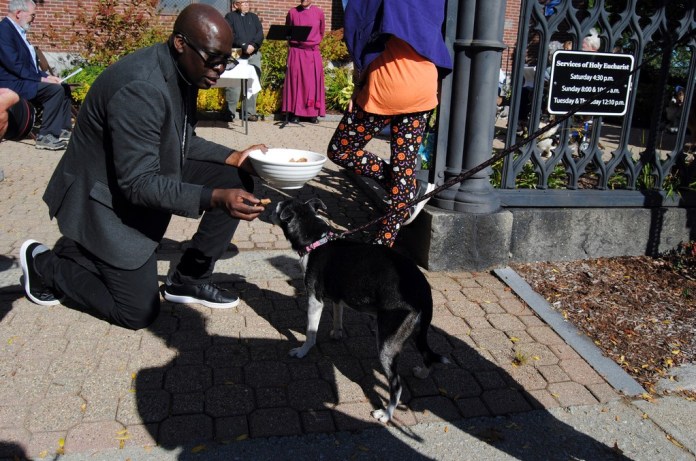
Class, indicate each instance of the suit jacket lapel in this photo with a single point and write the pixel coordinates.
(170, 75)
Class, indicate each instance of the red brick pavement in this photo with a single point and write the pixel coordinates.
(70, 382)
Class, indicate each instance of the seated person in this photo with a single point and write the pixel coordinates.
(19, 72)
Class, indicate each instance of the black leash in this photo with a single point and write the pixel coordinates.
(467, 174)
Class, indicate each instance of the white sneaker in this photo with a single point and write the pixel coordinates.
(423, 189)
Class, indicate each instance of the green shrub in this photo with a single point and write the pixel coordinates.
(86, 78)
(269, 101)
(333, 48)
(274, 57)
(339, 87)
(212, 99)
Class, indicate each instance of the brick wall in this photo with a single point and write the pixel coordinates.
(58, 16)
(512, 18)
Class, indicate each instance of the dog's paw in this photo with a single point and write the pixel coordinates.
(421, 372)
(336, 334)
(381, 416)
(298, 352)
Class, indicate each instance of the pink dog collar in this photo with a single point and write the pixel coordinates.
(326, 238)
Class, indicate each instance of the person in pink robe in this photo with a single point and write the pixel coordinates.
(303, 92)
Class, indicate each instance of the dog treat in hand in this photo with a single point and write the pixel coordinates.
(265, 201)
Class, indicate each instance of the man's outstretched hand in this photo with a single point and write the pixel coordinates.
(239, 203)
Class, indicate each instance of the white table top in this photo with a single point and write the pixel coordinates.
(242, 71)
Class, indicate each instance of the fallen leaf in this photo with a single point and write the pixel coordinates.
(61, 447)
(242, 437)
(198, 449)
(674, 441)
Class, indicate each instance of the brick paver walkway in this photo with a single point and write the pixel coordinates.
(72, 383)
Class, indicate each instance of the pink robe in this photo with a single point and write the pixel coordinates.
(303, 92)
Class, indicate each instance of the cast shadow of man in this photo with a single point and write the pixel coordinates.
(229, 376)
(12, 451)
(9, 294)
(232, 379)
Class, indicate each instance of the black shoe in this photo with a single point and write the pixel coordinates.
(252, 118)
(34, 288)
(423, 188)
(294, 119)
(207, 294)
(313, 120)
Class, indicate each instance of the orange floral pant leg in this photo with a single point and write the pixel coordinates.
(397, 177)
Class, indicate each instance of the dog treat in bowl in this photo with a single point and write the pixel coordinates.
(286, 168)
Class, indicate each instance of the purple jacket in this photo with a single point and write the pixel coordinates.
(368, 24)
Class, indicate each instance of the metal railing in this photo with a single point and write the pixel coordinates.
(639, 159)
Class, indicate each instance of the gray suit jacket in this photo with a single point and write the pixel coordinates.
(119, 182)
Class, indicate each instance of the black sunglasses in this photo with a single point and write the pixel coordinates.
(210, 60)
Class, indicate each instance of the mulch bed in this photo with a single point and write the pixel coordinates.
(640, 311)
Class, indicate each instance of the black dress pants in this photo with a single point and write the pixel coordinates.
(57, 112)
(130, 298)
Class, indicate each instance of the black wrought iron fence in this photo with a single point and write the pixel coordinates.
(642, 158)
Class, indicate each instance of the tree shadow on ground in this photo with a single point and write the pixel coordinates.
(232, 379)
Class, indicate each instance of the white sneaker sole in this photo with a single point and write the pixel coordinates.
(190, 300)
(25, 271)
(419, 206)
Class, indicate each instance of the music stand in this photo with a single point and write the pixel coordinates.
(296, 33)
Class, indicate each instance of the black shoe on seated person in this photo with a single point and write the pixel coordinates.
(34, 287)
(313, 120)
(207, 294)
(253, 118)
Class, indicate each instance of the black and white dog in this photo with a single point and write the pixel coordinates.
(369, 278)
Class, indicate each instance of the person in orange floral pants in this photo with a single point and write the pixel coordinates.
(397, 71)
(397, 176)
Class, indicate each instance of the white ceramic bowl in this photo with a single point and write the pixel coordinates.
(281, 168)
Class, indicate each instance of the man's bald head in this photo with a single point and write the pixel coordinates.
(201, 44)
(203, 21)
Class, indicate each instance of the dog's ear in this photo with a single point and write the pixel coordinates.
(287, 214)
(316, 204)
